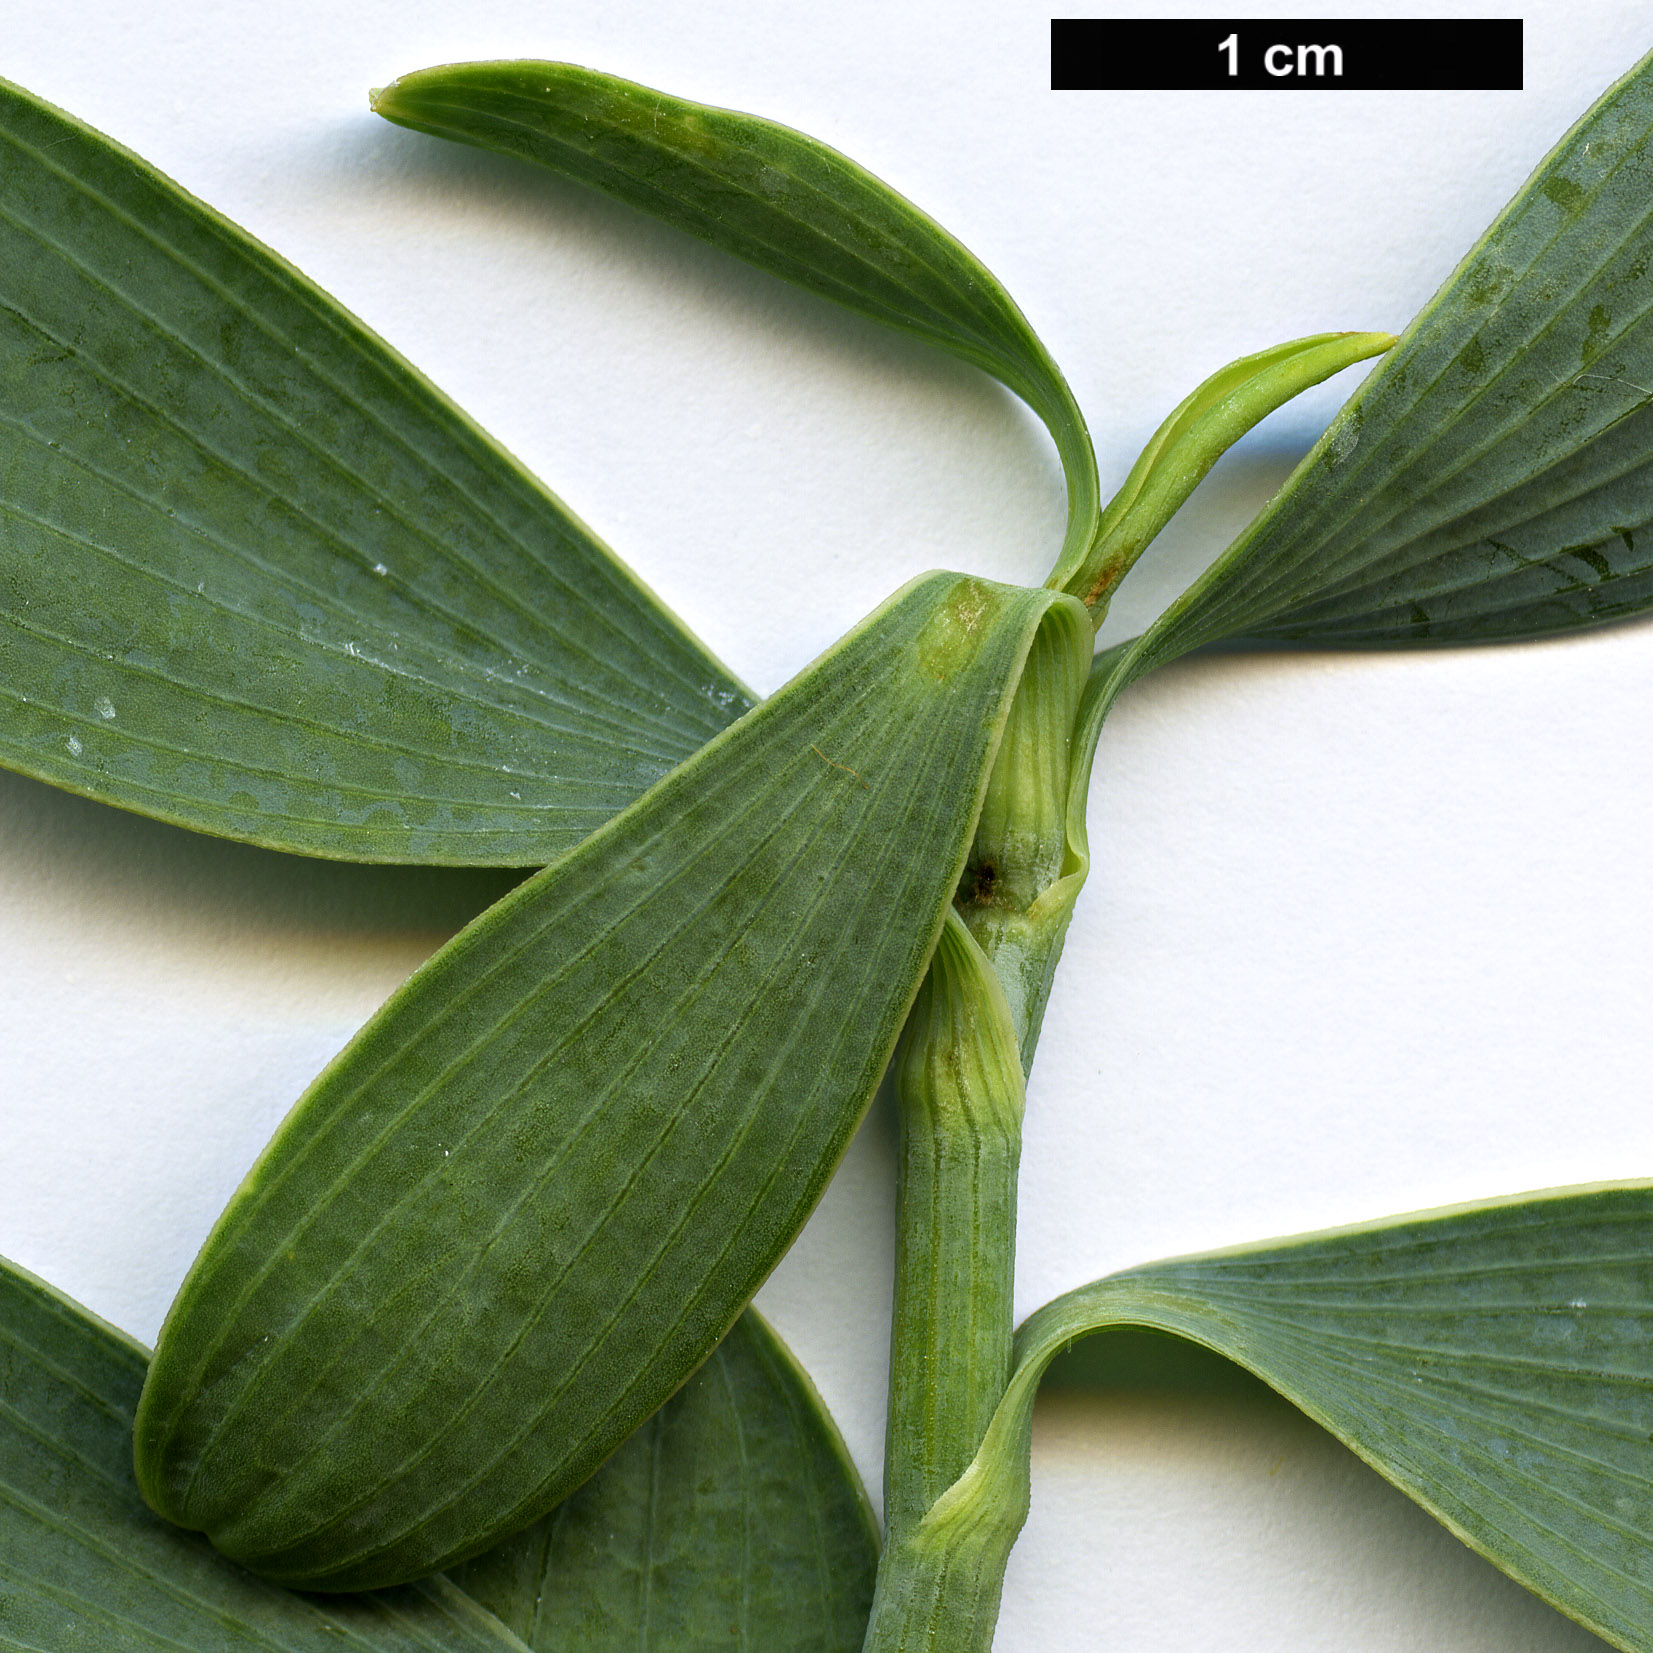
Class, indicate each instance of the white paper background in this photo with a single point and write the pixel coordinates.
(1365, 934)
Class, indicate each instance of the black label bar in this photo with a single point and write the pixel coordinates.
(1287, 55)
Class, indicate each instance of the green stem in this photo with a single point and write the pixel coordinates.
(939, 1584)
(959, 1081)
(971, 1039)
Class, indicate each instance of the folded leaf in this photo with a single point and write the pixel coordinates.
(1494, 1361)
(1493, 478)
(540, 1185)
(85, 1567)
(1195, 435)
(259, 578)
(767, 194)
(733, 1519)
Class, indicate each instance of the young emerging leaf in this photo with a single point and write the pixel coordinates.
(85, 1567)
(1492, 479)
(1196, 434)
(769, 195)
(732, 1520)
(259, 578)
(535, 1191)
(1490, 1360)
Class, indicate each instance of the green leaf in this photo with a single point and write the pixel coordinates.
(769, 195)
(733, 1519)
(1494, 1361)
(1492, 479)
(536, 1190)
(257, 577)
(1196, 434)
(85, 1567)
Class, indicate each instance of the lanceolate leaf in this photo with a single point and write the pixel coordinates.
(732, 1520)
(769, 195)
(85, 1567)
(259, 578)
(1493, 478)
(536, 1190)
(1494, 1361)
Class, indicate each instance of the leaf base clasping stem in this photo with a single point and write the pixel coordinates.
(959, 1077)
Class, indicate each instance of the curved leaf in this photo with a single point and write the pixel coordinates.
(733, 1519)
(1493, 1361)
(770, 195)
(85, 1567)
(1492, 479)
(539, 1186)
(1194, 436)
(257, 577)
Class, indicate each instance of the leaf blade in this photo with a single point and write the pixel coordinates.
(1487, 481)
(769, 195)
(83, 1562)
(1490, 1360)
(724, 970)
(1192, 438)
(259, 578)
(733, 1518)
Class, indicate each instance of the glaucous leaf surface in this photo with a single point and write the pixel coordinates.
(86, 1567)
(539, 1186)
(770, 195)
(733, 1519)
(259, 578)
(1494, 1361)
(1493, 478)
